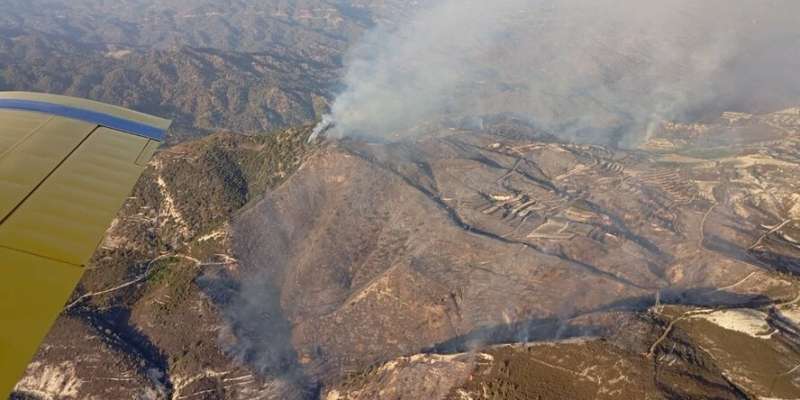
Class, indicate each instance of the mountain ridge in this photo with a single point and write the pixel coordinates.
(651, 274)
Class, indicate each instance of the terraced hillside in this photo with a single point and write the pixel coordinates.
(682, 261)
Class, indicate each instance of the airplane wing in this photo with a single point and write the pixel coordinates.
(66, 167)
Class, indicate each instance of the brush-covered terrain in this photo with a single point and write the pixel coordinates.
(202, 89)
(242, 66)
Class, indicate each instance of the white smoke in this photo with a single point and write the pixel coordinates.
(599, 70)
(323, 125)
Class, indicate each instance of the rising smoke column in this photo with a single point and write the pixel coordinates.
(601, 71)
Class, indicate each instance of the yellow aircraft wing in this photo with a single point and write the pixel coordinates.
(66, 166)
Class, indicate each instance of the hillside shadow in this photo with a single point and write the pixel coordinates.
(767, 260)
(703, 297)
(561, 328)
(527, 331)
(116, 330)
(780, 262)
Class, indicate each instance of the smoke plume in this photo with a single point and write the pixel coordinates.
(601, 71)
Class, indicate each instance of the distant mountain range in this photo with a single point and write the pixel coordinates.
(241, 66)
(203, 90)
(315, 27)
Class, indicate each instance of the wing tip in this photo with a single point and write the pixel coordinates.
(111, 116)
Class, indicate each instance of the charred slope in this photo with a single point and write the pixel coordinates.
(473, 239)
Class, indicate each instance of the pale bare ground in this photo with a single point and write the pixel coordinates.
(744, 320)
(51, 381)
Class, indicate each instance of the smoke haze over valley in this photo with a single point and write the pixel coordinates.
(598, 71)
